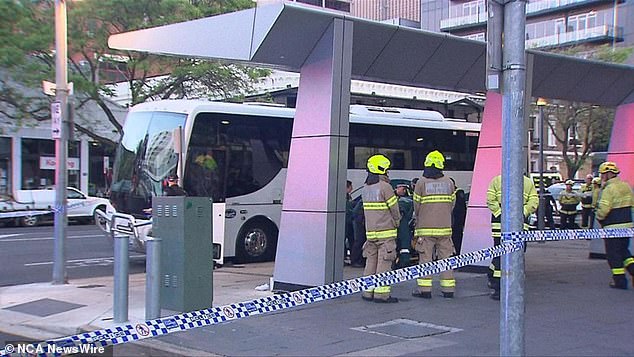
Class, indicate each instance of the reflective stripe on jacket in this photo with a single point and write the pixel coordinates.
(433, 206)
(614, 209)
(380, 207)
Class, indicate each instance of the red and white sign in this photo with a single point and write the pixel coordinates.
(48, 163)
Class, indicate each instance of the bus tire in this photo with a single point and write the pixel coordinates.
(257, 242)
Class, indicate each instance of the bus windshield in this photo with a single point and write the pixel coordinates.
(145, 157)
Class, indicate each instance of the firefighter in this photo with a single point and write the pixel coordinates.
(614, 210)
(586, 202)
(382, 218)
(494, 203)
(568, 211)
(434, 198)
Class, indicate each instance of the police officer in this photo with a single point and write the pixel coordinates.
(406, 207)
(586, 202)
(614, 210)
(494, 203)
(433, 205)
(568, 211)
(382, 218)
(173, 189)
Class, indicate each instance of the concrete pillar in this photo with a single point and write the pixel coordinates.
(488, 164)
(312, 228)
(621, 149)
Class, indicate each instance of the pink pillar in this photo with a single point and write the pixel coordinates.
(488, 164)
(311, 237)
(621, 149)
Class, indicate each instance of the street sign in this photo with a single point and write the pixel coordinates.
(49, 88)
(56, 120)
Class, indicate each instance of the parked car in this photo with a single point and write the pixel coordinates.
(30, 207)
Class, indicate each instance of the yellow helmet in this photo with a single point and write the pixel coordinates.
(435, 158)
(378, 164)
(570, 182)
(596, 180)
(608, 166)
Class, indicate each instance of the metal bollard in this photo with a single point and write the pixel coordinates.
(152, 278)
(121, 272)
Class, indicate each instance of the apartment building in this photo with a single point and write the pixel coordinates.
(549, 23)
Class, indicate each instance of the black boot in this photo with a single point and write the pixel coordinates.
(618, 282)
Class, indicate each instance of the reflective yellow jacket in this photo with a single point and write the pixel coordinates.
(494, 197)
(380, 207)
(615, 205)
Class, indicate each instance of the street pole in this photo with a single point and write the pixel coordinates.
(61, 145)
(540, 166)
(512, 307)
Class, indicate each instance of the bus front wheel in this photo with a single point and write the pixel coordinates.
(256, 242)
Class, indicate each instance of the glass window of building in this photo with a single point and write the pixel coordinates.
(38, 163)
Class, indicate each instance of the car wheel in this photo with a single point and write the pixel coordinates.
(29, 221)
(256, 242)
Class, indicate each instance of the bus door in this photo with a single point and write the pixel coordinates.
(218, 222)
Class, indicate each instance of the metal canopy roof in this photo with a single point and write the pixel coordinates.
(283, 35)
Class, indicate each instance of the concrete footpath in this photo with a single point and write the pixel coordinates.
(570, 310)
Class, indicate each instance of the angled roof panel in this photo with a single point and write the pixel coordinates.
(366, 49)
(203, 38)
(451, 62)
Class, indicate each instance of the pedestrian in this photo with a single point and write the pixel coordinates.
(404, 233)
(358, 223)
(568, 200)
(550, 205)
(173, 189)
(382, 218)
(614, 210)
(494, 203)
(586, 202)
(349, 238)
(459, 215)
(433, 205)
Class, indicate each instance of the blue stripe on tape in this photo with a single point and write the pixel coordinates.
(513, 241)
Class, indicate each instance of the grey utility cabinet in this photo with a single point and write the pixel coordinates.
(184, 226)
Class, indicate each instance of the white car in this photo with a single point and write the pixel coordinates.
(38, 206)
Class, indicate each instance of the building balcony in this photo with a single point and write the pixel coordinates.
(604, 33)
(533, 9)
(462, 22)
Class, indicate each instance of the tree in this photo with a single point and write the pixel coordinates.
(26, 58)
(582, 128)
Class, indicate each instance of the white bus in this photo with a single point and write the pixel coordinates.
(236, 154)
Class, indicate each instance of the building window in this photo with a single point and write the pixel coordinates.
(38, 164)
(5, 166)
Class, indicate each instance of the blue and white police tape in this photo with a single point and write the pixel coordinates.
(217, 315)
(514, 241)
(569, 234)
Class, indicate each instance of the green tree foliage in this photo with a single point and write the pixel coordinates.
(583, 128)
(27, 56)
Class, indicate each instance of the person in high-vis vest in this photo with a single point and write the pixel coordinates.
(382, 218)
(568, 199)
(494, 203)
(596, 191)
(587, 211)
(434, 198)
(614, 210)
